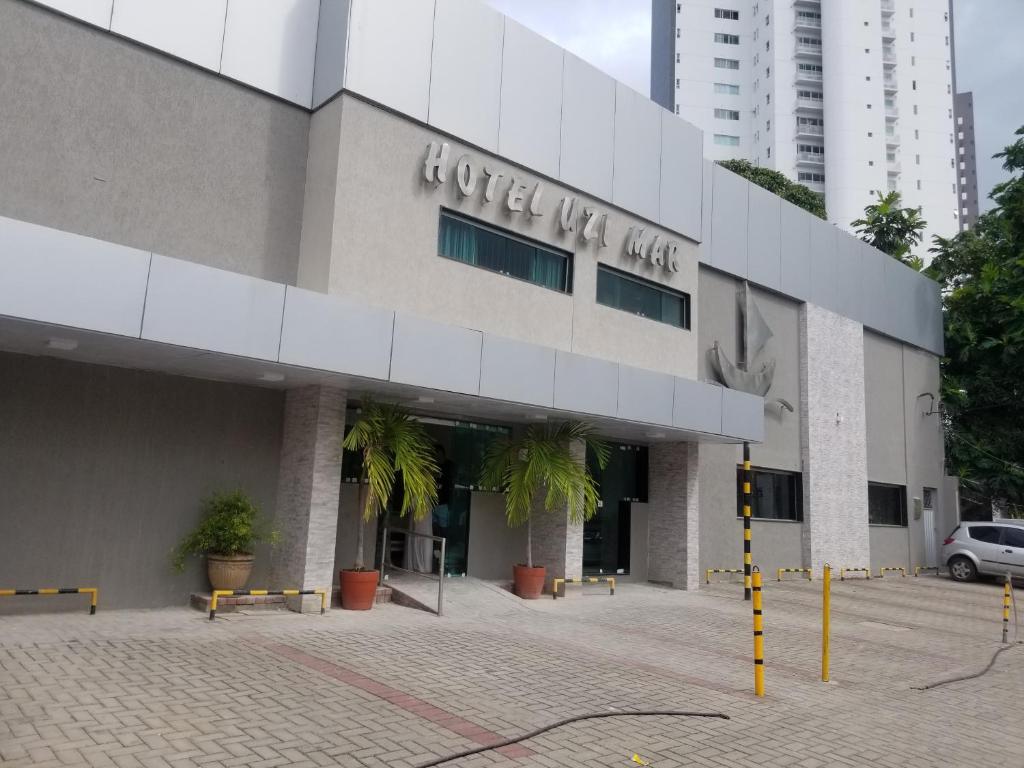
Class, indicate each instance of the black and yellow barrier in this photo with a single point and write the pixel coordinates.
(93, 593)
(758, 632)
(844, 571)
(748, 479)
(609, 580)
(1006, 608)
(901, 569)
(707, 574)
(218, 593)
(919, 568)
(780, 571)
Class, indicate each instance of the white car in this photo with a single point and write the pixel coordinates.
(988, 548)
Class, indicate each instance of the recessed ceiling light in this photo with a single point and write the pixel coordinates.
(424, 399)
(655, 435)
(268, 376)
(539, 416)
(63, 344)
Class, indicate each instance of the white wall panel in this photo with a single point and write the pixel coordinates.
(729, 222)
(95, 12)
(681, 176)
(706, 205)
(191, 305)
(517, 371)
(588, 128)
(271, 44)
(435, 355)
(465, 78)
(824, 265)
(764, 237)
(875, 310)
(636, 183)
(796, 256)
(331, 50)
(189, 29)
(531, 99)
(849, 277)
(645, 395)
(389, 53)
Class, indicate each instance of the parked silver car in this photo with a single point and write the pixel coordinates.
(988, 548)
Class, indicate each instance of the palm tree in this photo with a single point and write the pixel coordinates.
(542, 457)
(892, 229)
(392, 441)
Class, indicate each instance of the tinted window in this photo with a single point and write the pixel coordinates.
(1013, 537)
(887, 504)
(775, 495)
(987, 533)
(641, 297)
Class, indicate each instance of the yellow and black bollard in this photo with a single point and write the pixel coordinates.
(1006, 608)
(746, 520)
(826, 619)
(758, 634)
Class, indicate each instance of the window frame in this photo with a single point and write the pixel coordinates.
(798, 494)
(904, 517)
(620, 274)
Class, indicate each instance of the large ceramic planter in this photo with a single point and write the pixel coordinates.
(358, 590)
(228, 571)
(528, 582)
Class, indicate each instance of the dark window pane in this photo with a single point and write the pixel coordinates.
(886, 505)
(986, 533)
(641, 298)
(774, 495)
(1013, 537)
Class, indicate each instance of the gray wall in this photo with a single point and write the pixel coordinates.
(663, 47)
(889, 548)
(106, 139)
(103, 470)
(494, 548)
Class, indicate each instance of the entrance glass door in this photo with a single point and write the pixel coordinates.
(606, 536)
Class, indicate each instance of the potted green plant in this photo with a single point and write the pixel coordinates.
(391, 441)
(230, 528)
(543, 458)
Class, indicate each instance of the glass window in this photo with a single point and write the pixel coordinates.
(987, 533)
(1013, 537)
(727, 63)
(724, 13)
(489, 248)
(633, 294)
(775, 495)
(726, 140)
(727, 88)
(887, 504)
(727, 114)
(721, 37)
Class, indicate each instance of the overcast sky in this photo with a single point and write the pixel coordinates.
(615, 35)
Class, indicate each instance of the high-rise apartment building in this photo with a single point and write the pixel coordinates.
(966, 159)
(845, 97)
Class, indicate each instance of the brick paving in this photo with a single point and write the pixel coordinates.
(397, 686)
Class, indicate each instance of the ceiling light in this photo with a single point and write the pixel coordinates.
(424, 399)
(655, 435)
(63, 344)
(272, 377)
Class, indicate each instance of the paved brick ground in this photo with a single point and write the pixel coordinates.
(396, 686)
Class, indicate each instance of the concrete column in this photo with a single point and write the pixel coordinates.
(557, 543)
(673, 502)
(833, 440)
(309, 482)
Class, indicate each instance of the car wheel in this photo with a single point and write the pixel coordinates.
(962, 569)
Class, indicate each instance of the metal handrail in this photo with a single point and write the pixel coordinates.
(440, 568)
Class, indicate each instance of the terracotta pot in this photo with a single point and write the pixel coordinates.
(528, 582)
(228, 571)
(358, 590)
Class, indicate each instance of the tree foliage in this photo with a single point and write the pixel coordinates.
(892, 229)
(982, 272)
(777, 183)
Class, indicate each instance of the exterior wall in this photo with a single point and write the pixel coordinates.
(104, 470)
(884, 410)
(639, 537)
(890, 548)
(925, 455)
(556, 541)
(673, 510)
(494, 548)
(145, 151)
(966, 159)
(385, 251)
(349, 517)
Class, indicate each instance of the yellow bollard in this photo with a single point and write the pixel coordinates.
(1006, 608)
(758, 633)
(826, 618)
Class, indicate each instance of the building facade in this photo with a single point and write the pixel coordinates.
(966, 160)
(846, 98)
(223, 229)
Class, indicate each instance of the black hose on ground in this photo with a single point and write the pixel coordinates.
(965, 677)
(567, 721)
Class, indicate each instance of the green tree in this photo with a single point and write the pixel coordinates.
(391, 441)
(892, 229)
(543, 458)
(982, 272)
(776, 182)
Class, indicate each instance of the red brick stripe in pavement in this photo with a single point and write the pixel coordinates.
(395, 697)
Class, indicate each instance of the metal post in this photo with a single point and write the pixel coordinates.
(746, 520)
(383, 556)
(1006, 607)
(826, 619)
(440, 580)
(758, 635)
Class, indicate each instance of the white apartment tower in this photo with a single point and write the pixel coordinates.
(845, 96)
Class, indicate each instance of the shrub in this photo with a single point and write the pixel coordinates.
(231, 525)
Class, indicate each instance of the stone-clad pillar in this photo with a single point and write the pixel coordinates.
(673, 542)
(557, 543)
(309, 482)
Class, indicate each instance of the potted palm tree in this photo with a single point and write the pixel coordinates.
(230, 528)
(542, 458)
(391, 441)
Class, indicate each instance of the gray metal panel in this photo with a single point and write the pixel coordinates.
(465, 72)
(517, 371)
(531, 100)
(637, 153)
(932, 336)
(332, 333)
(389, 49)
(191, 305)
(849, 277)
(764, 238)
(900, 285)
(681, 176)
(706, 205)
(332, 50)
(729, 222)
(742, 416)
(824, 265)
(663, 46)
(58, 277)
(430, 354)
(697, 406)
(585, 384)
(796, 251)
(192, 30)
(876, 311)
(96, 12)
(645, 395)
(588, 128)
